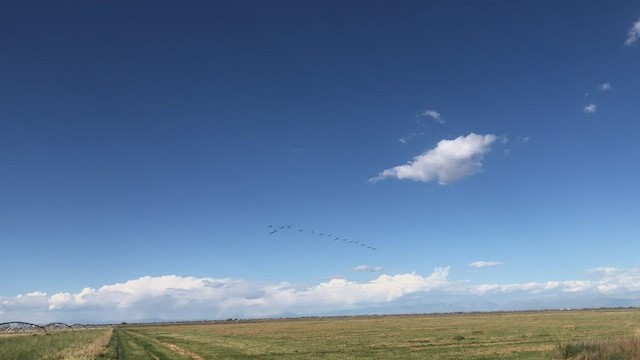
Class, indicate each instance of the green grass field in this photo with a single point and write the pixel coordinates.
(77, 345)
(534, 335)
(478, 336)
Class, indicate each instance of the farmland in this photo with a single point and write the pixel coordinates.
(77, 345)
(521, 335)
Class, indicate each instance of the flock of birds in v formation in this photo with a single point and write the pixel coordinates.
(274, 229)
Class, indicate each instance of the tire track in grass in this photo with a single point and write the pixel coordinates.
(163, 351)
(112, 351)
(130, 348)
(181, 351)
(135, 346)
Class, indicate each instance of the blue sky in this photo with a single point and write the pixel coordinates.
(155, 142)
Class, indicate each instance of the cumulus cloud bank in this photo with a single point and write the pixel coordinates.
(176, 297)
(634, 34)
(449, 161)
(606, 281)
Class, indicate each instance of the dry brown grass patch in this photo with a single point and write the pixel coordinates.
(90, 350)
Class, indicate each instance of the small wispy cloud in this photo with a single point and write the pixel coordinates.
(449, 161)
(434, 115)
(367, 268)
(634, 34)
(481, 264)
(590, 109)
(526, 139)
(410, 136)
(605, 87)
(605, 271)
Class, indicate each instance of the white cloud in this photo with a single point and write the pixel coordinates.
(367, 268)
(633, 34)
(434, 115)
(590, 109)
(607, 280)
(605, 87)
(410, 136)
(36, 297)
(449, 161)
(481, 264)
(605, 271)
(178, 297)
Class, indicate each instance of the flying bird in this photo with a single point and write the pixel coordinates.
(274, 229)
